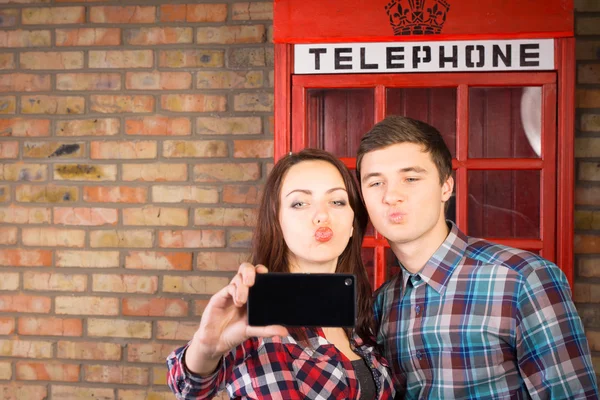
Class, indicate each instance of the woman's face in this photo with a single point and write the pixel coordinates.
(315, 216)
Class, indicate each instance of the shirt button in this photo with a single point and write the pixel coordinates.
(419, 355)
(418, 310)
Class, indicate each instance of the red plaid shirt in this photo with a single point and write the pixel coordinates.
(281, 368)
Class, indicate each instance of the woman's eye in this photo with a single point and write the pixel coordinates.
(298, 204)
(340, 203)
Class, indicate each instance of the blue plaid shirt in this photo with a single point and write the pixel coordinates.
(483, 321)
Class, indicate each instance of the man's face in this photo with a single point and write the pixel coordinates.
(402, 193)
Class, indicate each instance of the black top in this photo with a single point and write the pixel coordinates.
(365, 379)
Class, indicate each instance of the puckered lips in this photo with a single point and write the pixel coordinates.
(323, 234)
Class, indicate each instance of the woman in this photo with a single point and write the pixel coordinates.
(311, 220)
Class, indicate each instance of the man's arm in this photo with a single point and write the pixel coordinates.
(552, 350)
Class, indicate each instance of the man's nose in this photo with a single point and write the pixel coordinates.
(393, 194)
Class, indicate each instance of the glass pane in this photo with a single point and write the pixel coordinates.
(338, 118)
(392, 266)
(504, 204)
(436, 106)
(505, 122)
(368, 257)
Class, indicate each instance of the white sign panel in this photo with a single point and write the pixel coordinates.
(399, 57)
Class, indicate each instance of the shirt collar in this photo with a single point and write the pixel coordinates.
(439, 268)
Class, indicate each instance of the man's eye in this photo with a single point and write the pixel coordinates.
(412, 179)
(375, 184)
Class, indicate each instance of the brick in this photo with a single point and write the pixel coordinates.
(39, 60)
(152, 260)
(24, 215)
(252, 11)
(586, 244)
(191, 58)
(228, 125)
(123, 150)
(193, 102)
(590, 122)
(88, 81)
(587, 98)
(9, 281)
(587, 50)
(231, 34)
(122, 238)
(81, 393)
(7, 326)
(253, 148)
(593, 340)
(50, 326)
(46, 194)
(586, 293)
(218, 261)
(148, 352)
(52, 104)
(23, 172)
(198, 148)
(124, 283)
(128, 394)
(588, 73)
(19, 82)
(121, 59)
(25, 348)
(229, 79)
(247, 57)
(158, 126)
(158, 35)
(226, 172)
(119, 328)
(158, 80)
(239, 239)
(8, 235)
(589, 171)
(87, 259)
(587, 26)
(21, 303)
(225, 216)
(8, 17)
(587, 220)
(23, 38)
(53, 149)
(194, 284)
(44, 281)
(587, 147)
(53, 237)
(53, 15)
(82, 216)
(121, 103)
(195, 13)
(587, 5)
(174, 330)
(47, 371)
(86, 305)
(160, 307)
(589, 267)
(253, 102)
(5, 370)
(117, 374)
(123, 15)
(184, 194)
(237, 194)
(7, 61)
(28, 391)
(159, 375)
(25, 258)
(155, 216)
(88, 351)
(191, 239)
(115, 194)
(4, 193)
(9, 150)
(157, 172)
(85, 37)
(88, 127)
(85, 172)
(8, 104)
(200, 306)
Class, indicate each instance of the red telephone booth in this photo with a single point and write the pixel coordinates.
(496, 78)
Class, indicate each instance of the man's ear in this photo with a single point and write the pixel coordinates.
(447, 188)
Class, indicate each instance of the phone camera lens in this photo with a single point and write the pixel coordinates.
(348, 282)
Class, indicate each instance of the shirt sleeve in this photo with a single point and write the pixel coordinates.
(188, 386)
(552, 350)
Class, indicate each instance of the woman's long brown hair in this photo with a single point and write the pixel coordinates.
(270, 249)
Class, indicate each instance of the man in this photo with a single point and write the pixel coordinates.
(466, 318)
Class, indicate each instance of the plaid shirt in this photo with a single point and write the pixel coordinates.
(484, 321)
(281, 368)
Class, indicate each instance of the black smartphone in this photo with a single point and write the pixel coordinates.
(324, 300)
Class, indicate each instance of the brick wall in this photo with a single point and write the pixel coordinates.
(587, 163)
(134, 137)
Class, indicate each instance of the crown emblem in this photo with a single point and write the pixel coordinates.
(417, 17)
